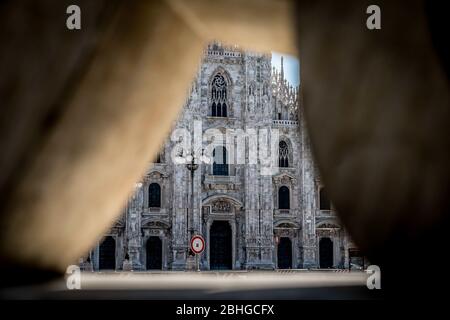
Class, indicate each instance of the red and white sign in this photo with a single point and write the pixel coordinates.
(197, 244)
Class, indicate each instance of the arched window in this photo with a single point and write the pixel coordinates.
(325, 203)
(283, 198)
(154, 196)
(265, 89)
(220, 164)
(283, 155)
(219, 96)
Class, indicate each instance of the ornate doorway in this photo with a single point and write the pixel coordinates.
(326, 253)
(107, 254)
(285, 253)
(154, 253)
(220, 249)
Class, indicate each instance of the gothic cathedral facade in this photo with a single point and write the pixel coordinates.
(249, 219)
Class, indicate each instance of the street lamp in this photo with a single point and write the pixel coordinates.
(192, 165)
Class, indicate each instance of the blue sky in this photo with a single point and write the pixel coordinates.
(291, 67)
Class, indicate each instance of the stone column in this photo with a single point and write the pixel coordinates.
(308, 197)
(267, 236)
(252, 216)
(180, 215)
(134, 228)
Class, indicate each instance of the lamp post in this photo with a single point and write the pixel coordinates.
(192, 165)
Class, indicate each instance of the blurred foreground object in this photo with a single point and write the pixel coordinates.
(84, 110)
(209, 285)
(377, 108)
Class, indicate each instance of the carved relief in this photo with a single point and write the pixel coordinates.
(284, 179)
(221, 206)
(327, 230)
(327, 226)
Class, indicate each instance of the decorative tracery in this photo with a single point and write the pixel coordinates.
(283, 155)
(219, 96)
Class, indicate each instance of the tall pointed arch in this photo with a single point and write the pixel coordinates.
(219, 93)
(285, 152)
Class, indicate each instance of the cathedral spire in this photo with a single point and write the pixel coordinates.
(282, 69)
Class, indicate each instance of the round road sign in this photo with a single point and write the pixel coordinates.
(197, 244)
